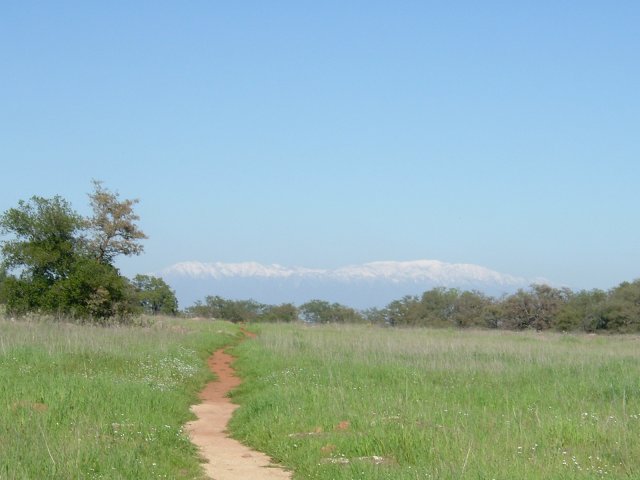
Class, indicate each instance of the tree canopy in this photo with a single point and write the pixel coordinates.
(112, 227)
(57, 262)
(46, 236)
(154, 295)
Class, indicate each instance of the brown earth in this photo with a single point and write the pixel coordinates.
(227, 459)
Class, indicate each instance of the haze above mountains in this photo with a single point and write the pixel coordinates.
(373, 284)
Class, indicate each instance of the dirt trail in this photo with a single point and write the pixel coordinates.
(227, 458)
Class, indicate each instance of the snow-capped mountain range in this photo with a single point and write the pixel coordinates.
(361, 286)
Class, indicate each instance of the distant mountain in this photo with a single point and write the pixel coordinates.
(360, 286)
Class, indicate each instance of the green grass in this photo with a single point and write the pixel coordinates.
(82, 402)
(440, 404)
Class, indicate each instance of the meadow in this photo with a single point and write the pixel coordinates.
(348, 402)
(85, 402)
(329, 402)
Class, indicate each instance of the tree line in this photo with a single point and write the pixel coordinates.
(57, 262)
(314, 311)
(539, 307)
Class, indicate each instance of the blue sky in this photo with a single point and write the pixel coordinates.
(505, 134)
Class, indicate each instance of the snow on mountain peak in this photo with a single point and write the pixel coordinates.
(418, 270)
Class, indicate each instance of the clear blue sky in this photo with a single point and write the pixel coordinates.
(505, 134)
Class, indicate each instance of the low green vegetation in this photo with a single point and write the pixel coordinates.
(539, 307)
(92, 402)
(345, 402)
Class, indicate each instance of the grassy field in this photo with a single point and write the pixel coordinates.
(347, 402)
(360, 402)
(82, 402)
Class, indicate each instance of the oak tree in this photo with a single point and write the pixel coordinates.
(154, 295)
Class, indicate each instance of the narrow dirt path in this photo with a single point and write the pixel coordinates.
(227, 458)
